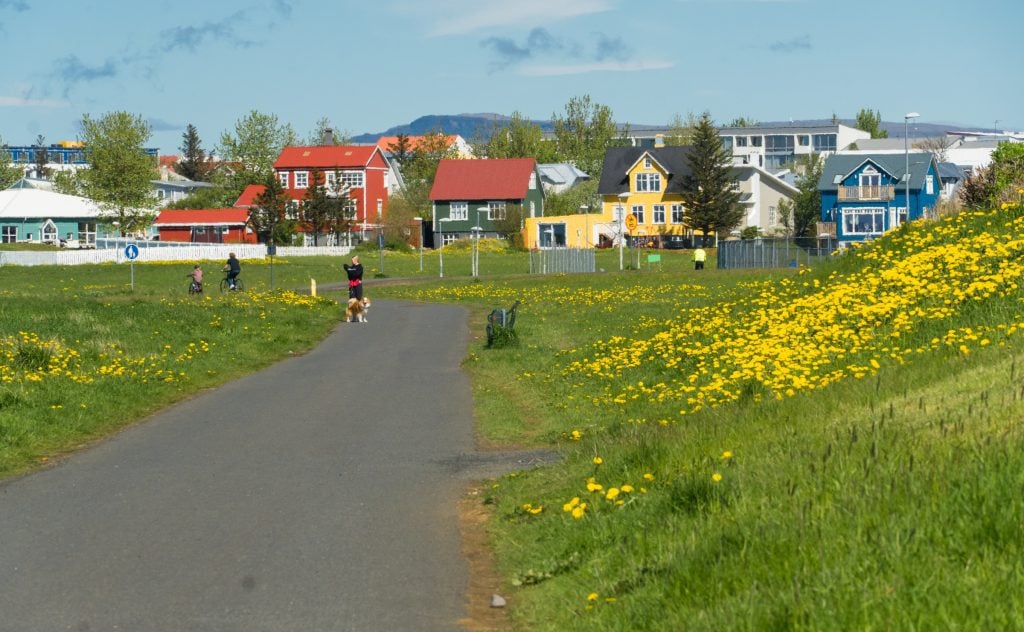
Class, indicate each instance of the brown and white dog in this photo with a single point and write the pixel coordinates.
(356, 310)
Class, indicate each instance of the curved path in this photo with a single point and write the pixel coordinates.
(318, 494)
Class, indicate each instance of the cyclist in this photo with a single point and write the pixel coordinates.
(233, 268)
(197, 279)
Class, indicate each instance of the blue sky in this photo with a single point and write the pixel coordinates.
(368, 66)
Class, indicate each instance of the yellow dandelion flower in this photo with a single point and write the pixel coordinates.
(613, 493)
(598, 460)
(626, 489)
(727, 454)
(572, 504)
(716, 477)
(592, 596)
(648, 476)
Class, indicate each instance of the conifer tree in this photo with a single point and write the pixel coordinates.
(711, 201)
(193, 164)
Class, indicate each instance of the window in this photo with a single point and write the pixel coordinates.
(741, 141)
(49, 232)
(677, 213)
(87, 233)
(658, 211)
(647, 162)
(301, 179)
(330, 177)
(353, 178)
(8, 234)
(824, 142)
(551, 235)
(863, 221)
(870, 177)
(779, 142)
(638, 210)
(755, 141)
(495, 210)
(727, 143)
(772, 219)
(929, 185)
(282, 177)
(460, 210)
(533, 180)
(291, 210)
(648, 182)
(804, 140)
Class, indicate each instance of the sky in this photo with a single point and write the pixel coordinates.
(368, 66)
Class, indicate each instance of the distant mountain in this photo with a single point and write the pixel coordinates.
(469, 126)
(473, 126)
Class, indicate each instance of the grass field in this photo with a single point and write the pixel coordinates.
(827, 448)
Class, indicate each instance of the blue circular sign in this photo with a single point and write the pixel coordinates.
(131, 251)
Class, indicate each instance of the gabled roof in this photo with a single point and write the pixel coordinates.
(483, 179)
(325, 157)
(188, 185)
(202, 217)
(561, 173)
(249, 195)
(619, 160)
(385, 142)
(842, 165)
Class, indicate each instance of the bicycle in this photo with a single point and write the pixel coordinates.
(195, 287)
(225, 284)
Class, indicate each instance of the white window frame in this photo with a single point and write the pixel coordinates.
(496, 210)
(878, 221)
(929, 185)
(870, 177)
(301, 179)
(282, 177)
(648, 183)
(647, 162)
(658, 214)
(330, 178)
(638, 210)
(458, 211)
(772, 216)
(8, 234)
(533, 180)
(677, 213)
(354, 179)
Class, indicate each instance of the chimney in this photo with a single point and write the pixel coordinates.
(659, 140)
(328, 137)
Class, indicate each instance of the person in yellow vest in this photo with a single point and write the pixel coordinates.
(698, 258)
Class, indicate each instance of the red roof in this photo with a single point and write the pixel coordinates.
(493, 179)
(325, 157)
(203, 217)
(249, 195)
(385, 142)
(168, 161)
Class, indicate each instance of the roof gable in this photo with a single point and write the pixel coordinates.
(842, 165)
(483, 179)
(660, 167)
(327, 157)
(617, 160)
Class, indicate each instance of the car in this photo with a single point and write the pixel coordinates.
(676, 242)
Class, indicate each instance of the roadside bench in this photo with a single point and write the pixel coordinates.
(501, 324)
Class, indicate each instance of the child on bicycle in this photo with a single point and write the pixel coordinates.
(197, 279)
(233, 268)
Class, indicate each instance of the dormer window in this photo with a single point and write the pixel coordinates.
(648, 182)
(870, 177)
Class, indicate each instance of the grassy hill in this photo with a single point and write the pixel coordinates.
(835, 449)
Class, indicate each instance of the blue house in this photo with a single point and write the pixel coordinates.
(864, 195)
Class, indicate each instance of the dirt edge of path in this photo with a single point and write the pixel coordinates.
(484, 579)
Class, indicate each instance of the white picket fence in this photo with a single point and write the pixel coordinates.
(191, 252)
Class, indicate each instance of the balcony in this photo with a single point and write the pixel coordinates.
(877, 192)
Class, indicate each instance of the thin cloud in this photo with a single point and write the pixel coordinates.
(282, 8)
(15, 5)
(160, 125)
(791, 46)
(192, 37)
(467, 16)
(542, 44)
(70, 71)
(26, 102)
(612, 48)
(579, 69)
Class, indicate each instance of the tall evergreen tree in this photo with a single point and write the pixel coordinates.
(401, 149)
(870, 122)
(193, 164)
(40, 158)
(710, 199)
(119, 172)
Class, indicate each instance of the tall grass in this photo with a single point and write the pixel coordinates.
(835, 449)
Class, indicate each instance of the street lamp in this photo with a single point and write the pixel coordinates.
(420, 220)
(622, 218)
(440, 251)
(906, 155)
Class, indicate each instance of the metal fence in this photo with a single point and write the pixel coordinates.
(114, 252)
(561, 260)
(774, 253)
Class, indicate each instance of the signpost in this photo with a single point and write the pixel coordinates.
(131, 252)
(631, 224)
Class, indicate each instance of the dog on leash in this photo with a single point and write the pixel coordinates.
(355, 310)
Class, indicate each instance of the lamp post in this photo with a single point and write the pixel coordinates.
(440, 251)
(420, 220)
(906, 155)
(622, 218)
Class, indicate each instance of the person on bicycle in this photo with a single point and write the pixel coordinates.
(197, 279)
(355, 278)
(233, 268)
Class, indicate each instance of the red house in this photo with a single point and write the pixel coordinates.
(208, 226)
(363, 168)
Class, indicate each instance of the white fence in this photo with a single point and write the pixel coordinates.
(166, 252)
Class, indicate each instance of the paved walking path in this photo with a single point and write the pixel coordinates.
(318, 494)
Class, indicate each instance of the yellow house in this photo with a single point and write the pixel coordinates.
(638, 184)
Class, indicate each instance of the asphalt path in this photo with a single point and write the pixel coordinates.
(318, 494)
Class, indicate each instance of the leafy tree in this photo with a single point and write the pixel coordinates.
(68, 183)
(40, 158)
(800, 216)
(217, 196)
(1008, 159)
(324, 206)
(584, 133)
(743, 121)
(512, 225)
(119, 172)
(572, 200)
(711, 200)
(193, 164)
(680, 130)
(516, 138)
(268, 214)
(316, 137)
(342, 208)
(869, 121)
(978, 189)
(419, 171)
(256, 143)
(9, 172)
